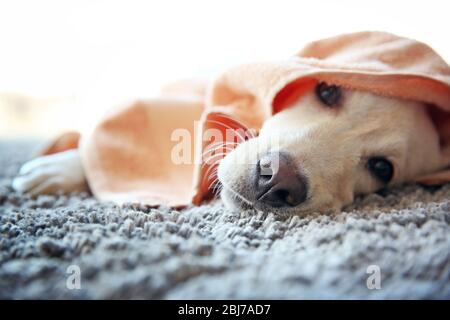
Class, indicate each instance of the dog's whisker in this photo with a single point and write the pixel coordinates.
(219, 143)
(209, 175)
(247, 131)
(214, 160)
(212, 177)
(218, 189)
(237, 195)
(213, 183)
(236, 132)
(224, 145)
(212, 151)
(215, 186)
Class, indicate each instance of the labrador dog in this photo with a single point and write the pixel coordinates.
(333, 144)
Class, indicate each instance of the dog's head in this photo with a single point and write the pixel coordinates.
(328, 146)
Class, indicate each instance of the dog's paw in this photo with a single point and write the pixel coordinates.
(60, 172)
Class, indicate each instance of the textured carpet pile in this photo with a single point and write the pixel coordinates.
(209, 252)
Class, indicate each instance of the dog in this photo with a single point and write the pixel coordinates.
(334, 141)
(334, 144)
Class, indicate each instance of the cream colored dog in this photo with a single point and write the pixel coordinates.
(333, 144)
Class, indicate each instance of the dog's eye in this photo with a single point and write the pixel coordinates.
(381, 168)
(328, 94)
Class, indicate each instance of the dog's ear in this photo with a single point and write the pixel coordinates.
(441, 120)
(291, 93)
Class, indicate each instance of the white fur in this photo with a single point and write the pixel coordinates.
(50, 174)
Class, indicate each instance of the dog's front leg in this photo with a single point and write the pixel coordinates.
(60, 172)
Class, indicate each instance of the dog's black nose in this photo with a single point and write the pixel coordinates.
(278, 183)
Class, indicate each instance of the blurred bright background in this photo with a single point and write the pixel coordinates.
(63, 62)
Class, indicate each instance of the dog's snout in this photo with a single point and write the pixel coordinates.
(277, 181)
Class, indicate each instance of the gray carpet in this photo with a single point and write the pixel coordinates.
(209, 252)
